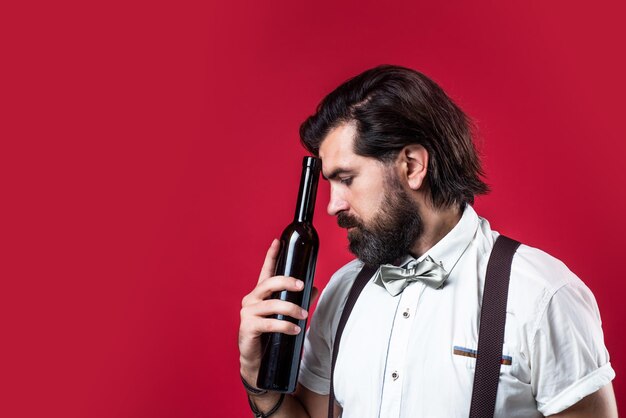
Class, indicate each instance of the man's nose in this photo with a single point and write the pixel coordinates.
(336, 204)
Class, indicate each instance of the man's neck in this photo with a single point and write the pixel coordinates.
(437, 224)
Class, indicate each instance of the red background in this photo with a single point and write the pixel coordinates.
(150, 153)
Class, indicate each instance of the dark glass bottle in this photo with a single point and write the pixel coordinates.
(298, 253)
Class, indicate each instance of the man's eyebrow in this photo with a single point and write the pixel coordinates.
(337, 172)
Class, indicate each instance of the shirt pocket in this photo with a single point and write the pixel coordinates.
(465, 355)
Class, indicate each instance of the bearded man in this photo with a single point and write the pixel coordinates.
(403, 171)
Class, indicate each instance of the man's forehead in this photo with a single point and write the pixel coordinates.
(336, 150)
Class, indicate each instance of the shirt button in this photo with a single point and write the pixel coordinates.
(406, 313)
(395, 375)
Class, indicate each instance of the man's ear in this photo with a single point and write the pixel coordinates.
(413, 161)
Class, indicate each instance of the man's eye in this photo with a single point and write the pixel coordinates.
(346, 180)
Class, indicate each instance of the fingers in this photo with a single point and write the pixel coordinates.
(269, 265)
(258, 307)
(276, 325)
(267, 325)
(266, 287)
(277, 307)
(255, 321)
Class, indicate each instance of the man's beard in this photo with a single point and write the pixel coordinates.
(393, 231)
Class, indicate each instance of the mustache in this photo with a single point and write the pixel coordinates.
(347, 221)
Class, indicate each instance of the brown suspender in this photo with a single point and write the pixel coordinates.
(491, 331)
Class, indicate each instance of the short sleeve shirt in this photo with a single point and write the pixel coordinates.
(413, 355)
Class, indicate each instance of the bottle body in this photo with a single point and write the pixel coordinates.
(297, 258)
(281, 352)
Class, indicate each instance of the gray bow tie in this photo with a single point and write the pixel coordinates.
(395, 279)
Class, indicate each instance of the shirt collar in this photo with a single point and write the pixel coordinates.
(451, 247)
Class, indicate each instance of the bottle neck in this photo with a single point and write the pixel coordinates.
(308, 190)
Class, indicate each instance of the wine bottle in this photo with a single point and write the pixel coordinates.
(299, 243)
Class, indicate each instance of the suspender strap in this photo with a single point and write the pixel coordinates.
(361, 280)
(491, 331)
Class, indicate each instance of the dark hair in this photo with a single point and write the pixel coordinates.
(394, 106)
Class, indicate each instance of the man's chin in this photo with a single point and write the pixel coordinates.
(354, 235)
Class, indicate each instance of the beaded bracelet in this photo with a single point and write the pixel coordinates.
(259, 414)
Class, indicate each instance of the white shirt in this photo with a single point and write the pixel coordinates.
(397, 354)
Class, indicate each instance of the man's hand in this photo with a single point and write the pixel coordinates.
(256, 307)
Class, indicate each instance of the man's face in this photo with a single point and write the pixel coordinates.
(369, 200)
